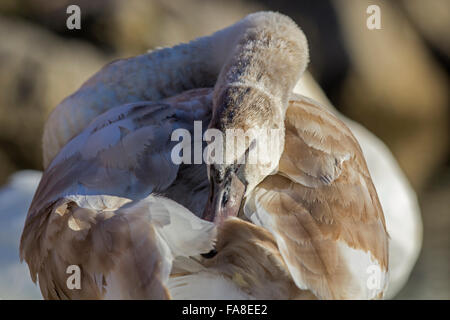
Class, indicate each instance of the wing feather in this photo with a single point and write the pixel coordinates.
(92, 209)
(322, 207)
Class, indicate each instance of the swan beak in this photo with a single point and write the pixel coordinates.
(224, 199)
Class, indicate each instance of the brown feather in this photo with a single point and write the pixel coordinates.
(322, 195)
(123, 245)
(249, 255)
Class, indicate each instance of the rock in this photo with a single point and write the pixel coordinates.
(395, 88)
(432, 18)
(136, 26)
(37, 70)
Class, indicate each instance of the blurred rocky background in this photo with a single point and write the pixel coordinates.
(394, 81)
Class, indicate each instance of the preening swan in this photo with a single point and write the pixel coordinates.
(111, 201)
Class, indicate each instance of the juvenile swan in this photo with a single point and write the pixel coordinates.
(305, 224)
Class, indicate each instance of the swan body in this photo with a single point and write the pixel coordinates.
(308, 225)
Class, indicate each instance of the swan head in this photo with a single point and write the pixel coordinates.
(249, 105)
(251, 127)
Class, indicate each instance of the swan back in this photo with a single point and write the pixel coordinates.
(152, 76)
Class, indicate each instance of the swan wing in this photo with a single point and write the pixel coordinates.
(397, 197)
(323, 209)
(92, 206)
